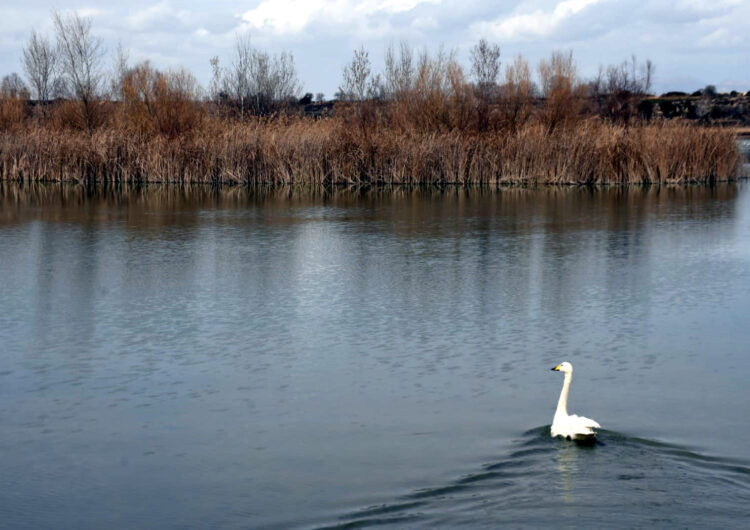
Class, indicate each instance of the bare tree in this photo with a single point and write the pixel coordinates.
(595, 87)
(399, 71)
(561, 88)
(39, 60)
(215, 87)
(60, 89)
(12, 86)
(121, 68)
(647, 76)
(431, 78)
(618, 90)
(287, 84)
(80, 55)
(274, 77)
(518, 92)
(357, 81)
(558, 73)
(629, 77)
(485, 66)
(256, 79)
(238, 76)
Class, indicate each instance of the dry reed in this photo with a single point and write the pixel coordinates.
(294, 150)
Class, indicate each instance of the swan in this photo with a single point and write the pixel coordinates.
(571, 427)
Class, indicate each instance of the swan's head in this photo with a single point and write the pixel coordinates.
(564, 367)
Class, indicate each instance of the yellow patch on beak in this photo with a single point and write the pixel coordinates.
(557, 368)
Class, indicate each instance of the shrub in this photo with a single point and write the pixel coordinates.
(13, 112)
(160, 103)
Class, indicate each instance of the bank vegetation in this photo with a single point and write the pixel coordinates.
(422, 120)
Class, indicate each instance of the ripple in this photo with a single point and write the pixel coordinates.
(541, 475)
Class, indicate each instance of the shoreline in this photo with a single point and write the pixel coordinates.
(261, 189)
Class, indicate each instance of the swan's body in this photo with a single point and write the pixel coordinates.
(571, 427)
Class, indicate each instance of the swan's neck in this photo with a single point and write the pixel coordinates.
(562, 403)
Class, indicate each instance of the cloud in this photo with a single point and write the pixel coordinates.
(284, 17)
(150, 17)
(687, 11)
(720, 37)
(692, 42)
(524, 26)
(89, 12)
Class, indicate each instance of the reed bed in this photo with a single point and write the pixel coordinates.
(298, 150)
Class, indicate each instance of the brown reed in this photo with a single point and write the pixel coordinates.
(292, 150)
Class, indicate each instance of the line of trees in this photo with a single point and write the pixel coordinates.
(616, 90)
(426, 91)
(72, 66)
(404, 68)
(432, 91)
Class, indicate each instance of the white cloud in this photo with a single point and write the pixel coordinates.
(535, 24)
(292, 16)
(283, 16)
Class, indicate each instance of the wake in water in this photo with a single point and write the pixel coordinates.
(619, 481)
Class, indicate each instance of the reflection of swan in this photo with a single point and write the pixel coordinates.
(571, 427)
(567, 465)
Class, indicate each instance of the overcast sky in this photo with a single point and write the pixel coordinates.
(692, 42)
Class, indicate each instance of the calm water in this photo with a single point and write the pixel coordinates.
(178, 358)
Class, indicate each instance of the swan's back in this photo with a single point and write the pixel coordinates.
(583, 423)
(574, 426)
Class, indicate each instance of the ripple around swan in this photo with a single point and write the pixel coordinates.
(544, 480)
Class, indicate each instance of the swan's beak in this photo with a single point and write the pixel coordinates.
(556, 368)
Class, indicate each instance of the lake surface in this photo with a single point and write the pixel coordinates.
(198, 358)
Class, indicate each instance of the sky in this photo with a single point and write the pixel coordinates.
(693, 43)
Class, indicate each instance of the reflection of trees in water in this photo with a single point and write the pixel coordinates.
(66, 265)
(411, 211)
(528, 262)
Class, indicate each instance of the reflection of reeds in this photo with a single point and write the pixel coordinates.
(607, 208)
(291, 151)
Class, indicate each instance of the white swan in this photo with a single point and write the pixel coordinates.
(571, 427)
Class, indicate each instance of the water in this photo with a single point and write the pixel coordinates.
(744, 145)
(196, 358)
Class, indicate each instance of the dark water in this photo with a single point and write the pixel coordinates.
(177, 358)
